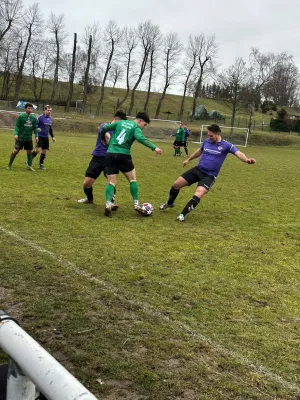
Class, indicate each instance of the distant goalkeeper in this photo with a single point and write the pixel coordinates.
(179, 140)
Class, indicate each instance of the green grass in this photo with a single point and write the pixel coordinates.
(149, 306)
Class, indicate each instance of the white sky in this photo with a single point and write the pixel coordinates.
(272, 26)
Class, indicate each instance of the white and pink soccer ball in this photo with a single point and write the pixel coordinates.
(147, 209)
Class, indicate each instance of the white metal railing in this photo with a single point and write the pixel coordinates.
(31, 367)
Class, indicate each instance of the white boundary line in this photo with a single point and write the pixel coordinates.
(148, 310)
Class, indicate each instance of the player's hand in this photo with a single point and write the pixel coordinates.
(251, 161)
(16, 137)
(37, 139)
(39, 129)
(53, 140)
(158, 151)
(185, 162)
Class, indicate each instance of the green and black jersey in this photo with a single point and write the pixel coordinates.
(124, 134)
(25, 126)
(180, 135)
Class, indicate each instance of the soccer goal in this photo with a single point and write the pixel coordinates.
(234, 135)
(160, 128)
(8, 119)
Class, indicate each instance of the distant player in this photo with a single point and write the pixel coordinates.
(44, 130)
(186, 135)
(97, 163)
(179, 139)
(118, 156)
(25, 126)
(212, 155)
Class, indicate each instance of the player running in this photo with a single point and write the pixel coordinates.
(179, 139)
(118, 156)
(212, 155)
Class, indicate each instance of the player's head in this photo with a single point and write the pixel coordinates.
(142, 119)
(47, 110)
(28, 108)
(213, 133)
(119, 115)
(181, 125)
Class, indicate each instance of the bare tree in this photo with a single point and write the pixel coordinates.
(72, 74)
(91, 41)
(111, 38)
(10, 11)
(205, 61)
(262, 68)
(153, 61)
(8, 61)
(116, 73)
(191, 55)
(39, 65)
(32, 25)
(172, 49)
(130, 40)
(233, 82)
(144, 33)
(57, 29)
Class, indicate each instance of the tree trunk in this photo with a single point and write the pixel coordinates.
(127, 81)
(108, 66)
(72, 75)
(55, 79)
(20, 71)
(149, 82)
(86, 74)
(160, 102)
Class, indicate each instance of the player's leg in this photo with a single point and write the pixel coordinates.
(28, 146)
(204, 184)
(114, 206)
(38, 148)
(96, 166)
(18, 147)
(133, 186)
(88, 191)
(180, 182)
(109, 193)
(185, 145)
(45, 148)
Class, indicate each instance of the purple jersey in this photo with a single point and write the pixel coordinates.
(101, 148)
(186, 133)
(213, 156)
(44, 123)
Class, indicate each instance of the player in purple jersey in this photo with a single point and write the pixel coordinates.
(44, 130)
(212, 155)
(97, 163)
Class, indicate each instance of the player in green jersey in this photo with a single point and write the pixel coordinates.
(25, 126)
(179, 139)
(118, 157)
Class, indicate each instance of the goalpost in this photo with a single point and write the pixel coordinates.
(160, 128)
(236, 136)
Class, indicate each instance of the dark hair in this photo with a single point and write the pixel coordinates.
(144, 116)
(214, 128)
(28, 105)
(120, 114)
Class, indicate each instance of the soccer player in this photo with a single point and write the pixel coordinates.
(25, 126)
(97, 163)
(212, 155)
(179, 139)
(186, 135)
(44, 129)
(118, 156)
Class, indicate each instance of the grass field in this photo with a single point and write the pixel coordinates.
(150, 308)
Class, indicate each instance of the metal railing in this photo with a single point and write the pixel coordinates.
(32, 368)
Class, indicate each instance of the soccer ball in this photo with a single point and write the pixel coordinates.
(147, 209)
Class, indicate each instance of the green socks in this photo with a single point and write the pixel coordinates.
(29, 160)
(109, 192)
(134, 190)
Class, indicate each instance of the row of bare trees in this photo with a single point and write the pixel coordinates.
(134, 58)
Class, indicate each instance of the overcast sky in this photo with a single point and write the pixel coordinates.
(272, 26)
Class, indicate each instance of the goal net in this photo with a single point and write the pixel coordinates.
(160, 128)
(8, 119)
(234, 135)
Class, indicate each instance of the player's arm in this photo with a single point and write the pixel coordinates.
(52, 134)
(196, 154)
(106, 128)
(146, 142)
(17, 127)
(244, 158)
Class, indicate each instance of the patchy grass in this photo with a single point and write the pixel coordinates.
(148, 308)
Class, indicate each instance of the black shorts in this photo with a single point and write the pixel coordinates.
(24, 144)
(178, 144)
(96, 166)
(196, 175)
(116, 162)
(43, 143)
